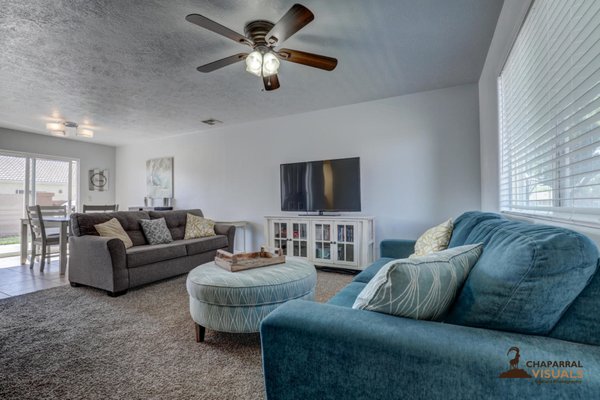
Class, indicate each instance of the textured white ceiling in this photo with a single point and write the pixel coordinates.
(128, 67)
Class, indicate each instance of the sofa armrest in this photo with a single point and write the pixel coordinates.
(97, 261)
(397, 248)
(229, 231)
(321, 351)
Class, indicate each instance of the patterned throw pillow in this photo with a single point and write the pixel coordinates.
(156, 231)
(419, 288)
(434, 239)
(198, 227)
(113, 228)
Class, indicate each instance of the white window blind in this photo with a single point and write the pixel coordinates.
(549, 108)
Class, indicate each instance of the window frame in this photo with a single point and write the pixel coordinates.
(569, 215)
(29, 184)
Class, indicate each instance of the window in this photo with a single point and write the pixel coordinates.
(549, 108)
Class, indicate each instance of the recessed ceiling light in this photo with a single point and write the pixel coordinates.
(58, 132)
(212, 121)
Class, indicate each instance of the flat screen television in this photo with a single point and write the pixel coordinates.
(323, 186)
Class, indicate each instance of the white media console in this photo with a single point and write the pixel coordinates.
(328, 241)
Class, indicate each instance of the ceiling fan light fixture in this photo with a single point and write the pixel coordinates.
(54, 126)
(270, 65)
(86, 133)
(254, 63)
(262, 36)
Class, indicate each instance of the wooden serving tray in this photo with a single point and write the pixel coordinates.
(243, 261)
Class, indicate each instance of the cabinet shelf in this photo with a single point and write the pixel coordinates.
(346, 242)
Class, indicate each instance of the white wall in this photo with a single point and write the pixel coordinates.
(511, 17)
(90, 155)
(419, 161)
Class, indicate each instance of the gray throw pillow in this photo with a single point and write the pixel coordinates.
(156, 231)
(422, 287)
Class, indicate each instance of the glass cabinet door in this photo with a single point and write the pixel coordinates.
(322, 241)
(346, 242)
(299, 236)
(280, 235)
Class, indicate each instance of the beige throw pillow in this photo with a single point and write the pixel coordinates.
(434, 239)
(112, 228)
(198, 227)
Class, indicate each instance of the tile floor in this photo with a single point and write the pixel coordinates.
(17, 279)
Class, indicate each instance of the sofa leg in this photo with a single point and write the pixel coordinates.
(200, 331)
(117, 294)
(74, 284)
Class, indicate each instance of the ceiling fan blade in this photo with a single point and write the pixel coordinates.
(211, 25)
(310, 59)
(295, 19)
(222, 62)
(271, 82)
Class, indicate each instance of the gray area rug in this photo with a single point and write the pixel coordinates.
(78, 343)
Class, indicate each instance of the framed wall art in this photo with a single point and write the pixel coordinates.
(98, 180)
(159, 178)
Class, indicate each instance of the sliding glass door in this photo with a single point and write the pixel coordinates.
(52, 183)
(12, 200)
(28, 179)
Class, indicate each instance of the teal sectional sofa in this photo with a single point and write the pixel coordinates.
(529, 310)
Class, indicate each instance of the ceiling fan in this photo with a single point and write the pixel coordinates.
(263, 37)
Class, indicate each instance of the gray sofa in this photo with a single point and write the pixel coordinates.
(104, 263)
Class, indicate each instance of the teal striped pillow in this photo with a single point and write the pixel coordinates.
(422, 287)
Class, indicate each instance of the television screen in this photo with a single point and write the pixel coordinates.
(328, 185)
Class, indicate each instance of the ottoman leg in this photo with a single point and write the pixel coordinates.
(200, 330)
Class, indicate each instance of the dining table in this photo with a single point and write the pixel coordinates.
(50, 222)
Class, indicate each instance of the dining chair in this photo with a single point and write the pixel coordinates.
(87, 208)
(39, 236)
(53, 212)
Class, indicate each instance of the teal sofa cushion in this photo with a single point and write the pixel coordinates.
(347, 296)
(581, 322)
(526, 278)
(464, 224)
(369, 272)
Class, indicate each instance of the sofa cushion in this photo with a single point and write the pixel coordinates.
(526, 278)
(420, 287)
(83, 224)
(176, 220)
(202, 245)
(156, 231)
(368, 273)
(464, 224)
(581, 323)
(113, 229)
(152, 253)
(347, 295)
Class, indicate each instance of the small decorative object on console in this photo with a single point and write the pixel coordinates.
(242, 261)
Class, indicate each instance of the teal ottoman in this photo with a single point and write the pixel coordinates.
(238, 301)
